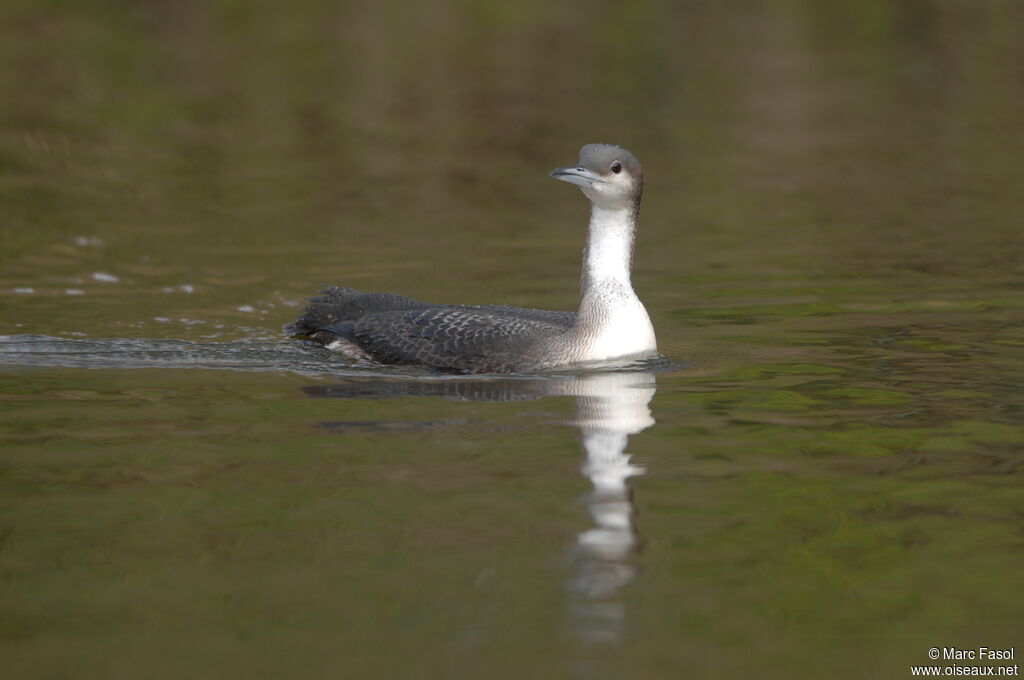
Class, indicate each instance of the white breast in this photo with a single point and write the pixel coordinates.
(625, 331)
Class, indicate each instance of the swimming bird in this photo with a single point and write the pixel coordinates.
(611, 323)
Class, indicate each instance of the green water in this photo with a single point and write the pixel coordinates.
(831, 249)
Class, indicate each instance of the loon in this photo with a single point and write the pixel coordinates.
(610, 325)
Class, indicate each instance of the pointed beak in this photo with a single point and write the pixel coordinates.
(578, 175)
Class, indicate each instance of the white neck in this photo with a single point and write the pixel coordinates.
(609, 253)
(612, 322)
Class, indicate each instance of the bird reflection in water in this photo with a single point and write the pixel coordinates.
(609, 409)
(610, 406)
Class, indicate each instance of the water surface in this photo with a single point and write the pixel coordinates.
(822, 479)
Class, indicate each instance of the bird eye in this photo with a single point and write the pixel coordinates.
(616, 167)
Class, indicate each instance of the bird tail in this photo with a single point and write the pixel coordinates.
(338, 306)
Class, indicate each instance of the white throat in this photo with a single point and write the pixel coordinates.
(609, 252)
